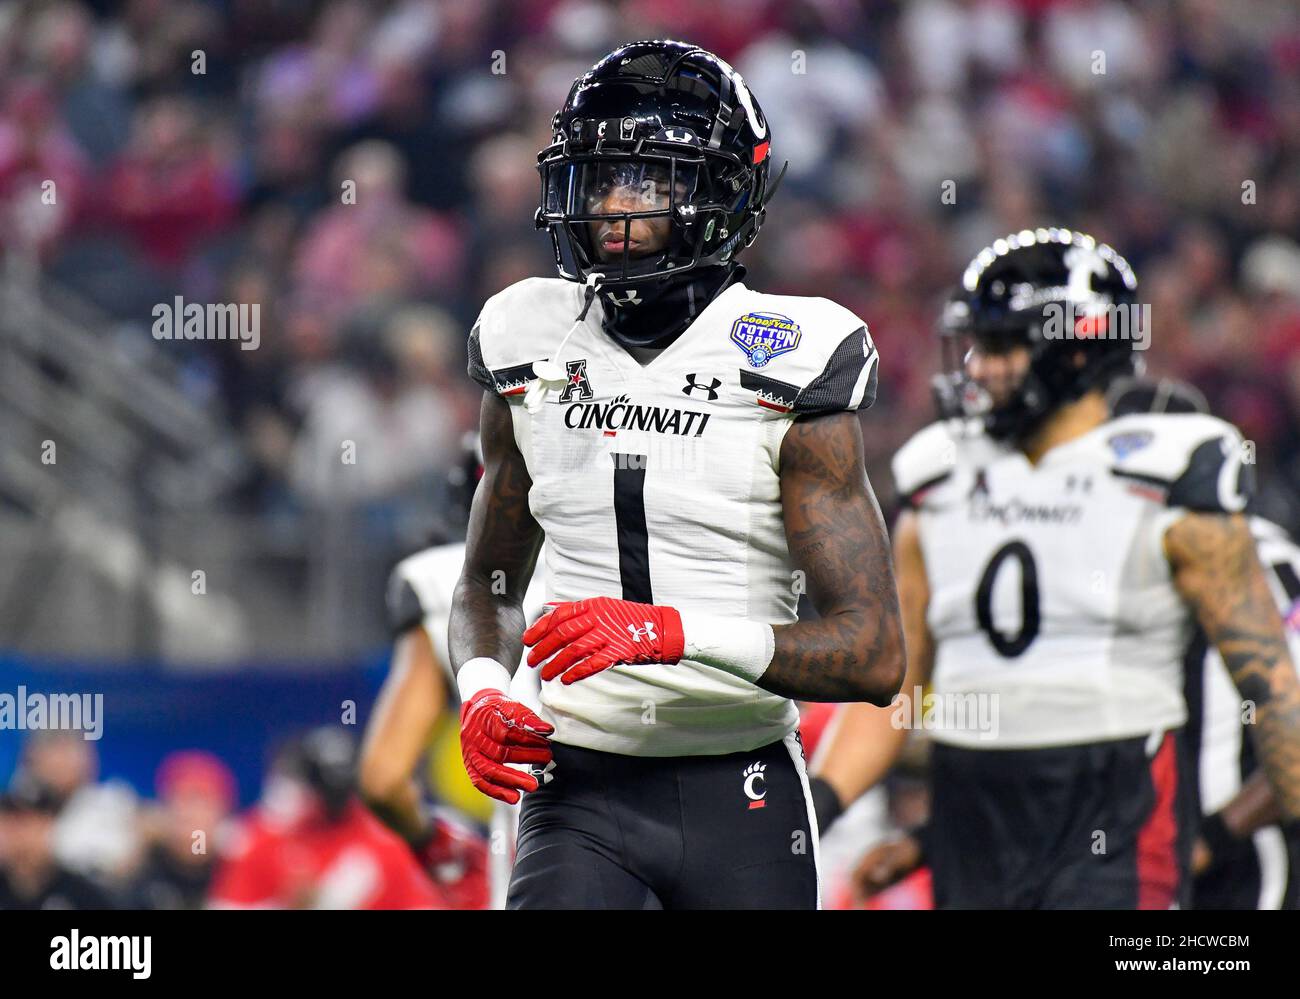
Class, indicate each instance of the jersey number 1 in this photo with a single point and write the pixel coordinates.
(1030, 617)
(629, 520)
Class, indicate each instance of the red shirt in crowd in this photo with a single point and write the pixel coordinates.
(354, 862)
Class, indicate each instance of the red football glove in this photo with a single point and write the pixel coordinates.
(495, 730)
(456, 859)
(587, 636)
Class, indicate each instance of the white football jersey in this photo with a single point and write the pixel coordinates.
(420, 590)
(1225, 755)
(659, 484)
(1051, 599)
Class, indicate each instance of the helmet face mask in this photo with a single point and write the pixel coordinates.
(599, 198)
(1052, 293)
(659, 133)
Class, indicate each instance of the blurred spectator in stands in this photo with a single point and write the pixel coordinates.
(31, 875)
(840, 90)
(173, 188)
(41, 171)
(373, 243)
(312, 844)
(96, 833)
(396, 397)
(196, 793)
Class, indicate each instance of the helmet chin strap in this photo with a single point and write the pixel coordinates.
(1040, 395)
(550, 373)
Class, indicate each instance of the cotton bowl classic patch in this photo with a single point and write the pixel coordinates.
(764, 335)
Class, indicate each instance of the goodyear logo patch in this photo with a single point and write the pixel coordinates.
(764, 335)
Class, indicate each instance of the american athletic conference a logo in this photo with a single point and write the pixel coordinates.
(765, 335)
(578, 381)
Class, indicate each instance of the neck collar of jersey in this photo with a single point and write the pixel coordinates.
(655, 314)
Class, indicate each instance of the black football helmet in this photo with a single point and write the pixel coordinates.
(677, 126)
(1055, 291)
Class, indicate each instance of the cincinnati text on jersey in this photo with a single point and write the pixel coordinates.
(1017, 512)
(622, 414)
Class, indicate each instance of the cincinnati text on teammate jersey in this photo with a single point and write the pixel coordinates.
(1018, 512)
(622, 414)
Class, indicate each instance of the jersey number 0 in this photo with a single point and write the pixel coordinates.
(1031, 620)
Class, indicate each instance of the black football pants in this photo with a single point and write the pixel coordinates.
(608, 831)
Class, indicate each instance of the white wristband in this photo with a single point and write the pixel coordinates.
(741, 648)
(481, 674)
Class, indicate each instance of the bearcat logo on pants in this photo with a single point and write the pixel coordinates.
(764, 335)
(754, 775)
(622, 414)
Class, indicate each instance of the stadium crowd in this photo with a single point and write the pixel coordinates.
(365, 173)
(71, 840)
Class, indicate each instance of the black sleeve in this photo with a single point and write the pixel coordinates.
(404, 610)
(833, 390)
(477, 369)
(1216, 480)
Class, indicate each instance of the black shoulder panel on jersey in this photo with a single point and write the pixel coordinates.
(503, 381)
(404, 610)
(912, 501)
(1198, 488)
(477, 369)
(772, 392)
(833, 389)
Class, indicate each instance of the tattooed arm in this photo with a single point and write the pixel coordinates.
(487, 615)
(864, 742)
(1217, 571)
(837, 538)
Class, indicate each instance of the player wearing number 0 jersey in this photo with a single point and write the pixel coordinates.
(1053, 563)
(687, 449)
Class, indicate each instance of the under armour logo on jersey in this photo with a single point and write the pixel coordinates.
(711, 388)
(543, 774)
(578, 381)
(647, 632)
(631, 298)
(753, 777)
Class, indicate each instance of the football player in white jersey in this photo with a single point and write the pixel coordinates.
(1243, 858)
(689, 452)
(1052, 565)
(411, 710)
